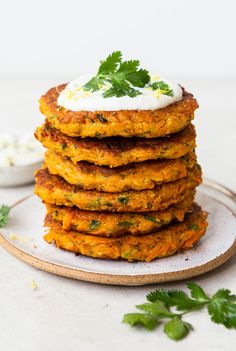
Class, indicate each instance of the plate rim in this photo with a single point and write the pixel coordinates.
(125, 279)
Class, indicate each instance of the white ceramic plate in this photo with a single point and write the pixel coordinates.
(23, 238)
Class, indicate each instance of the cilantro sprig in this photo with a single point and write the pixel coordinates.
(168, 307)
(120, 78)
(4, 215)
(123, 77)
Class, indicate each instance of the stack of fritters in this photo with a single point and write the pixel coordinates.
(120, 184)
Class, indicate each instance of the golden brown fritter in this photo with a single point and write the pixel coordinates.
(118, 224)
(136, 176)
(117, 151)
(54, 190)
(126, 123)
(163, 243)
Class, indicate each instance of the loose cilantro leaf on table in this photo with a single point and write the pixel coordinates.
(158, 309)
(4, 214)
(122, 76)
(176, 298)
(163, 307)
(222, 308)
(197, 292)
(140, 319)
(177, 329)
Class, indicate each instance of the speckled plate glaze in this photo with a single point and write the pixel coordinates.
(22, 237)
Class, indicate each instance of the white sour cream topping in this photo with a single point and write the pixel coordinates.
(19, 150)
(75, 98)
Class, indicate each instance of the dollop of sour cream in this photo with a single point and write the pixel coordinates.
(75, 98)
(18, 149)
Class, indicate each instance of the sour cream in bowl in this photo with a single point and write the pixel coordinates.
(20, 155)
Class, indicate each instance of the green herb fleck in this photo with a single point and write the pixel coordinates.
(79, 185)
(63, 146)
(150, 218)
(53, 117)
(123, 200)
(163, 306)
(185, 157)
(101, 118)
(109, 204)
(122, 77)
(163, 88)
(56, 213)
(94, 203)
(193, 226)
(4, 215)
(94, 224)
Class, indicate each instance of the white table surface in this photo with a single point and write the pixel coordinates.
(67, 315)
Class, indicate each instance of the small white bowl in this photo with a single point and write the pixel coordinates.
(18, 175)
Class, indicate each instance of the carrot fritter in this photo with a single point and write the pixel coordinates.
(117, 151)
(136, 176)
(162, 243)
(126, 123)
(118, 224)
(55, 190)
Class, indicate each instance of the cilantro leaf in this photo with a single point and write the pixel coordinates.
(147, 321)
(107, 66)
(120, 89)
(4, 215)
(176, 298)
(177, 329)
(122, 77)
(163, 88)
(182, 302)
(158, 309)
(222, 308)
(193, 226)
(128, 66)
(160, 295)
(197, 292)
(110, 64)
(137, 77)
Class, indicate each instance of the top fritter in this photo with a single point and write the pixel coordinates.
(120, 100)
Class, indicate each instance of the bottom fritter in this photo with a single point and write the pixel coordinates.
(163, 243)
(110, 224)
